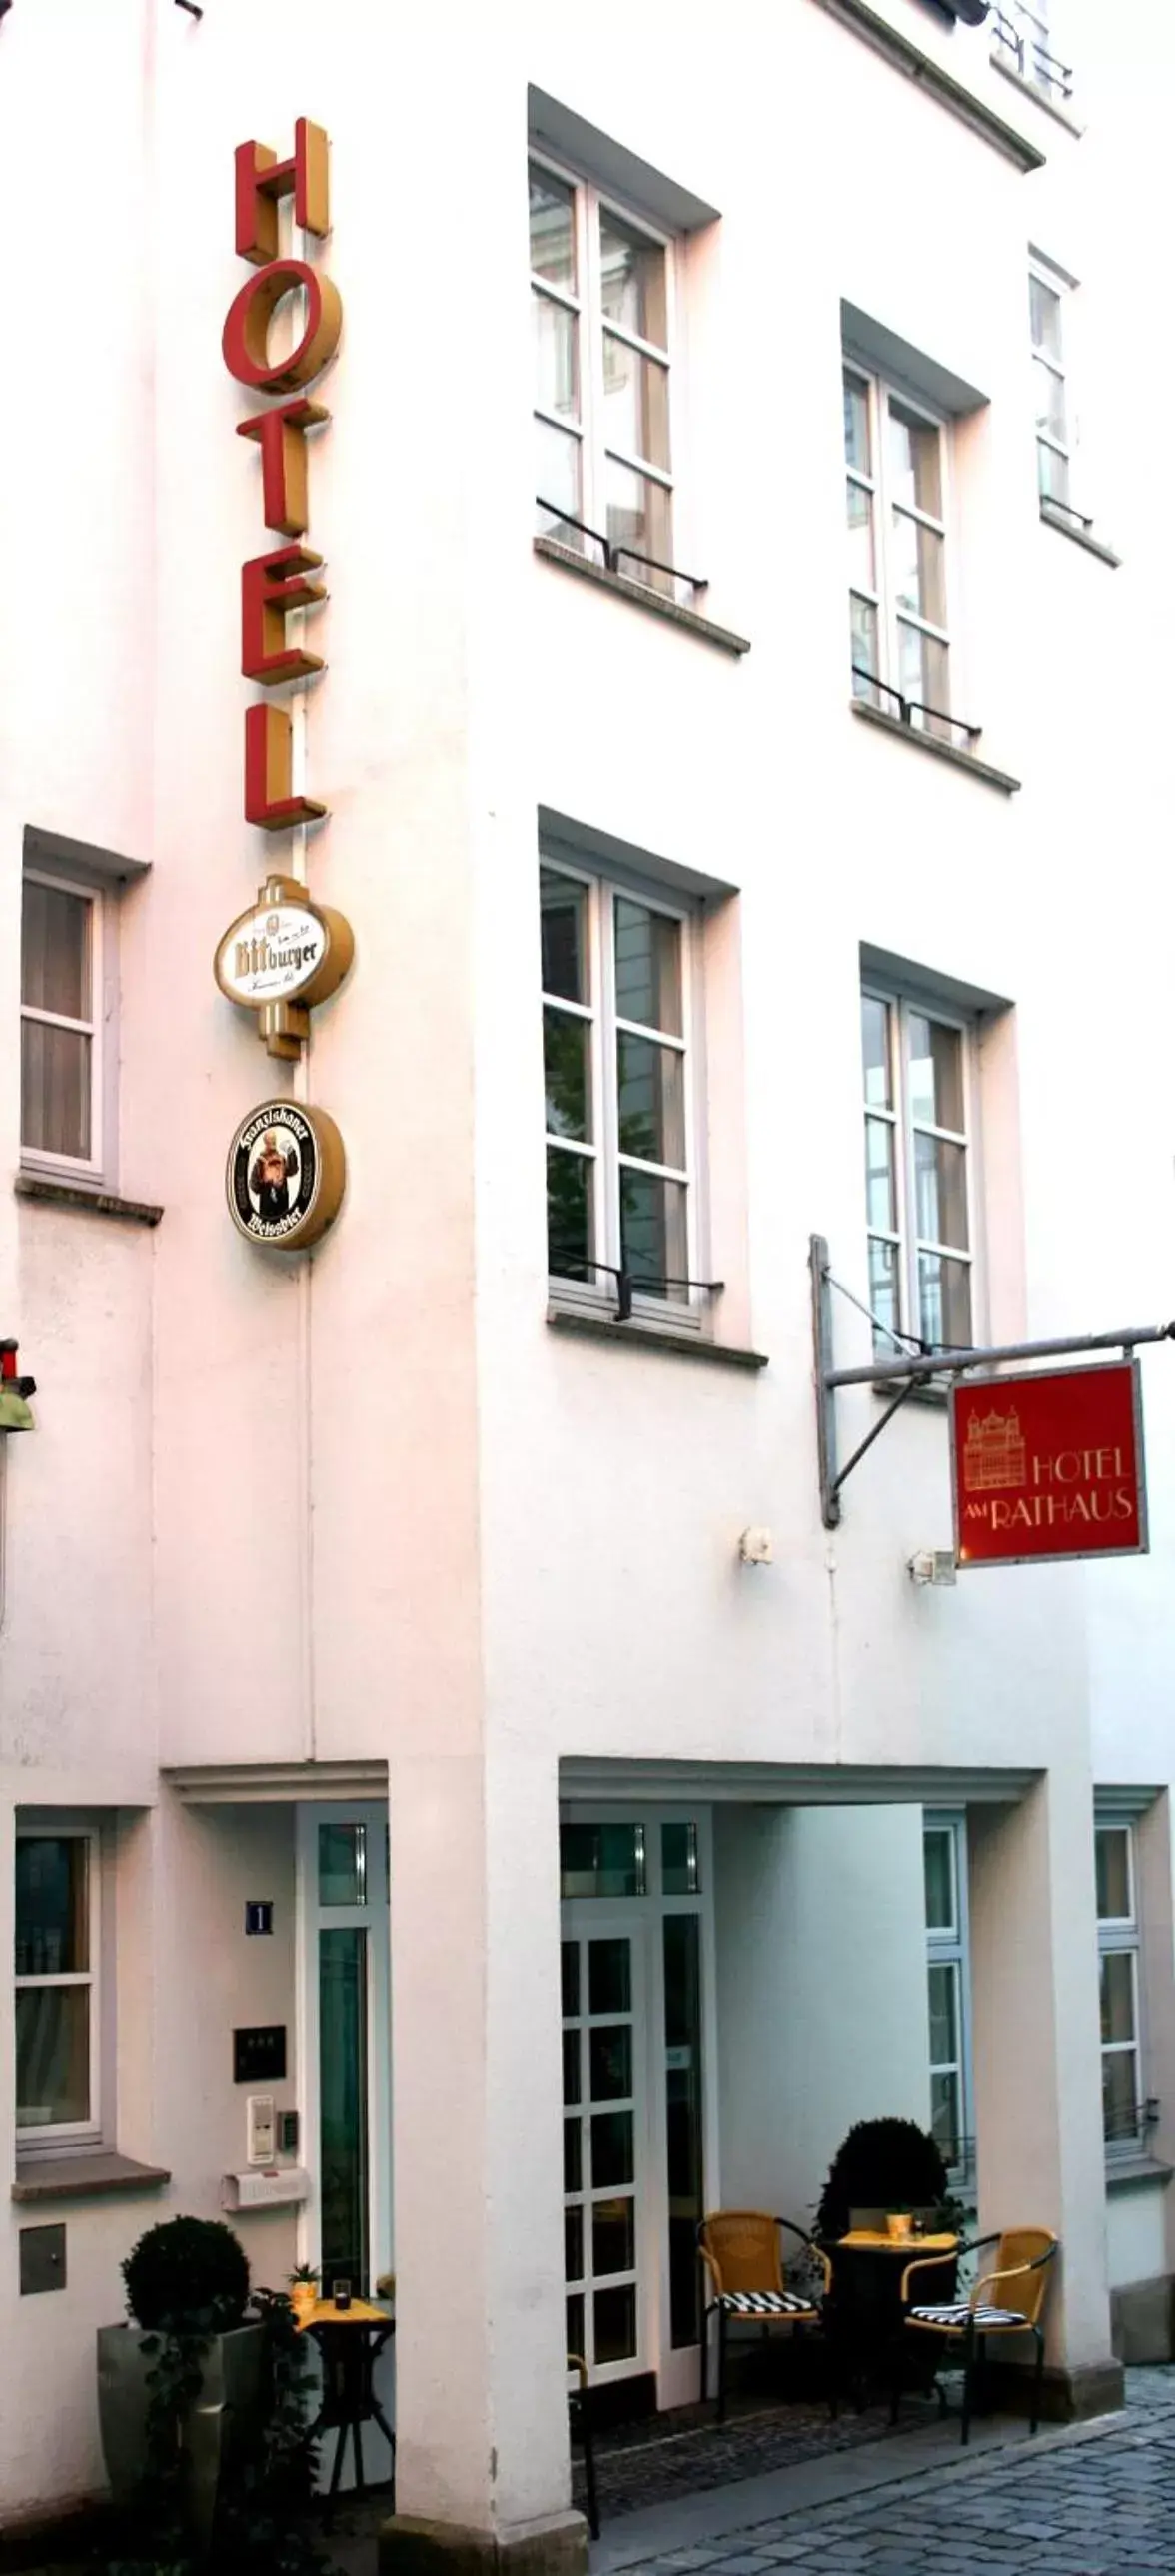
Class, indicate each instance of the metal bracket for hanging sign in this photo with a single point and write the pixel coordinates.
(906, 1373)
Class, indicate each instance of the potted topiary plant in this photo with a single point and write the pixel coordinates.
(882, 2168)
(184, 2377)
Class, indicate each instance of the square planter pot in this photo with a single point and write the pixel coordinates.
(219, 2425)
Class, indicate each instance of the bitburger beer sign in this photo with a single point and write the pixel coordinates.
(286, 1165)
(285, 1174)
(281, 957)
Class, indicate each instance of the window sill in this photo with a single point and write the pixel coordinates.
(929, 742)
(654, 1337)
(1039, 97)
(88, 2176)
(1077, 535)
(925, 1391)
(40, 1185)
(1121, 2170)
(636, 591)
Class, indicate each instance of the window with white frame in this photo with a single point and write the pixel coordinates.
(617, 973)
(57, 2054)
(1119, 1945)
(919, 1118)
(1053, 443)
(944, 1857)
(601, 295)
(61, 1026)
(896, 494)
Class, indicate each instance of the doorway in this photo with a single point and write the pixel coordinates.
(639, 2131)
(345, 2051)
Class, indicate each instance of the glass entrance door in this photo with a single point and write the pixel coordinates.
(639, 2127)
(346, 2042)
(604, 2147)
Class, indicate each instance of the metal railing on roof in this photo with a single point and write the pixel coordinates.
(1020, 32)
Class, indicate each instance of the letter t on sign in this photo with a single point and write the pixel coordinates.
(261, 179)
(281, 436)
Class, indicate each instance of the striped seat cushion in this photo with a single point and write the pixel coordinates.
(765, 2303)
(955, 2313)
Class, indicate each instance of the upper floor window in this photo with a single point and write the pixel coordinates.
(1026, 36)
(896, 477)
(617, 1003)
(57, 1895)
(1119, 1944)
(602, 291)
(1046, 312)
(918, 1090)
(61, 1026)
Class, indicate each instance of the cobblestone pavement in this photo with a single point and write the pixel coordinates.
(1098, 2500)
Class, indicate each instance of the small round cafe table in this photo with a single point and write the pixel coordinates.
(350, 2341)
(866, 2311)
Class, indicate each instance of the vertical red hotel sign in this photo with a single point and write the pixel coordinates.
(1048, 1466)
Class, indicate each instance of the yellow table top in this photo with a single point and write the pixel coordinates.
(360, 2313)
(870, 2240)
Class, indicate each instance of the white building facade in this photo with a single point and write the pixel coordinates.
(394, 1721)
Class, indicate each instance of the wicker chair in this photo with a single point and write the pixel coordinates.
(1006, 2300)
(741, 2253)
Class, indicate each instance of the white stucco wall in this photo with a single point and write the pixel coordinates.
(821, 1958)
(373, 1507)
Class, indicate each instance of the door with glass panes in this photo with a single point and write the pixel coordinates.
(345, 2053)
(636, 1975)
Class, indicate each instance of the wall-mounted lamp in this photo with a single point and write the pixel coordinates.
(756, 1547)
(932, 1565)
(14, 1392)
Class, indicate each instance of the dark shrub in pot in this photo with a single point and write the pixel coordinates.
(185, 2376)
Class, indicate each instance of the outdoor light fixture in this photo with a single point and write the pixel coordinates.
(933, 1565)
(756, 1547)
(14, 1392)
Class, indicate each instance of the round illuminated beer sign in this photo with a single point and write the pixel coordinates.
(283, 950)
(285, 1175)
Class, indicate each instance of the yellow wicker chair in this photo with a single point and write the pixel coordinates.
(744, 2272)
(1006, 2300)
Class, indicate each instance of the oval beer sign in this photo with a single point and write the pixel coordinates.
(282, 951)
(285, 1175)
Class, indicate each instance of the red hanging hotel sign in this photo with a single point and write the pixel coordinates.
(1048, 1465)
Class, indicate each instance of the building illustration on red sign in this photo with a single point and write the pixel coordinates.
(1048, 1465)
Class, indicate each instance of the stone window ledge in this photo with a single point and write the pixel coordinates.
(1077, 535)
(1039, 97)
(642, 597)
(651, 1337)
(41, 1185)
(84, 2177)
(929, 742)
(1123, 2170)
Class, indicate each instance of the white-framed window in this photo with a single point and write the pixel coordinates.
(58, 2057)
(948, 1980)
(920, 1113)
(61, 1014)
(1046, 306)
(896, 473)
(1025, 37)
(602, 303)
(618, 990)
(1119, 1937)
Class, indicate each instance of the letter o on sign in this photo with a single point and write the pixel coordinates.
(246, 330)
